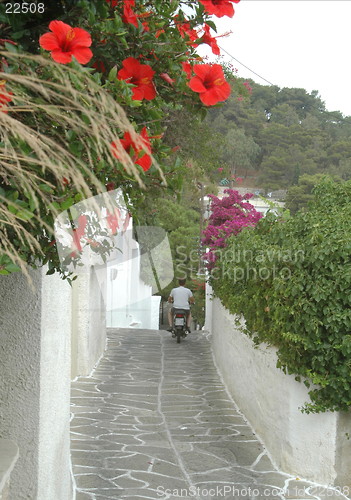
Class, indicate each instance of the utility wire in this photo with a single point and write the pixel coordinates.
(330, 113)
(259, 76)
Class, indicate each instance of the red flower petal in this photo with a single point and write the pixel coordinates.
(112, 3)
(146, 73)
(145, 137)
(81, 38)
(130, 66)
(113, 220)
(219, 8)
(144, 162)
(79, 233)
(149, 91)
(187, 68)
(99, 65)
(196, 84)
(60, 29)
(49, 41)
(216, 94)
(82, 54)
(61, 57)
(129, 16)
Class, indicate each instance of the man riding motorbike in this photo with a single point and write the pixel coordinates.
(181, 298)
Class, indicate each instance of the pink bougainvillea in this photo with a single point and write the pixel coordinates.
(229, 215)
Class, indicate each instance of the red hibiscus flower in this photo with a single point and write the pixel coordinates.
(139, 75)
(66, 42)
(219, 8)
(158, 33)
(4, 97)
(184, 29)
(99, 65)
(210, 83)
(113, 220)
(140, 157)
(211, 41)
(128, 15)
(187, 68)
(126, 223)
(78, 234)
(113, 3)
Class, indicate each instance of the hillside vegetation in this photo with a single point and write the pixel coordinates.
(291, 140)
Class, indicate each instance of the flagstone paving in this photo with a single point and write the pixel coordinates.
(155, 421)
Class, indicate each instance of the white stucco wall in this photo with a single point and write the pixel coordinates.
(8, 457)
(34, 383)
(88, 320)
(142, 314)
(54, 480)
(310, 446)
(129, 301)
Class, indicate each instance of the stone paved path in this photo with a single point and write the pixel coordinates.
(154, 421)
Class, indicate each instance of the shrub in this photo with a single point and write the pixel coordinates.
(291, 280)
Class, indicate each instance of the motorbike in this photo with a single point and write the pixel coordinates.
(179, 324)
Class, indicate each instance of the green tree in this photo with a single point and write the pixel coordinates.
(285, 115)
(239, 151)
(300, 195)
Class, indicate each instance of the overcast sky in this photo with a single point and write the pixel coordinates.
(298, 43)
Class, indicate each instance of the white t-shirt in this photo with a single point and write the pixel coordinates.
(181, 296)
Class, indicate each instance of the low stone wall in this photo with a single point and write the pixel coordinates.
(314, 446)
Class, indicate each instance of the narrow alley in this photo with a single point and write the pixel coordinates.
(154, 421)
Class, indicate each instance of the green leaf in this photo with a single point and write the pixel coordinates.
(71, 135)
(25, 215)
(18, 35)
(12, 268)
(67, 204)
(212, 25)
(75, 148)
(91, 17)
(45, 187)
(11, 48)
(86, 119)
(32, 204)
(112, 74)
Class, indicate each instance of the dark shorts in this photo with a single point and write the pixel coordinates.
(186, 310)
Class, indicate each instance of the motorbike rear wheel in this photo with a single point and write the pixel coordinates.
(179, 333)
